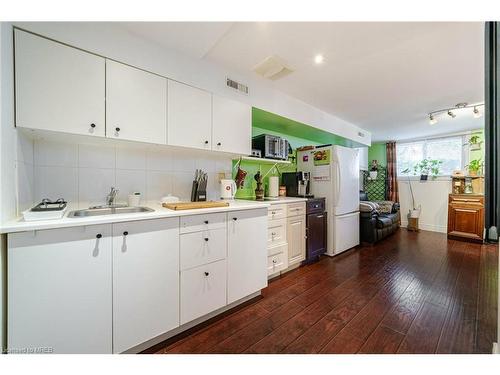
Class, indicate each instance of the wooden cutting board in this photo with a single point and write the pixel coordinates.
(194, 205)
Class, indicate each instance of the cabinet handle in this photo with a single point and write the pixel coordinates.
(125, 233)
(218, 144)
(99, 235)
(117, 129)
(274, 261)
(92, 126)
(273, 212)
(207, 273)
(206, 221)
(274, 233)
(206, 142)
(235, 218)
(206, 239)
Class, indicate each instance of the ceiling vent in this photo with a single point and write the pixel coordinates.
(273, 68)
(237, 86)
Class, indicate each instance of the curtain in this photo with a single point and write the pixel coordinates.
(491, 132)
(392, 182)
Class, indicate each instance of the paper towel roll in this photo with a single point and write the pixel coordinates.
(274, 188)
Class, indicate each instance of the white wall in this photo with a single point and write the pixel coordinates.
(110, 40)
(82, 173)
(432, 196)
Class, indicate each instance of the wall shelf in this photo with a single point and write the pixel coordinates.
(265, 161)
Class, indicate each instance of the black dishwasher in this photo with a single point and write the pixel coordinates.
(316, 227)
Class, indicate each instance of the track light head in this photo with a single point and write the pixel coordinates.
(451, 114)
(432, 119)
(476, 113)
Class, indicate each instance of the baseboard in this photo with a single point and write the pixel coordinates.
(428, 227)
(496, 349)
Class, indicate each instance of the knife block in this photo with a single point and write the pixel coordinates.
(198, 194)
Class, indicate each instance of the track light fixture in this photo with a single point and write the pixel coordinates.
(452, 111)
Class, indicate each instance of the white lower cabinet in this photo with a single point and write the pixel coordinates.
(145, 281)
(296, 235)
(59, 290)
(203, 290)
(247, 253)
(202, 247)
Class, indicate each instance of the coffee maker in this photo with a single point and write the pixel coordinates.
(297, 184)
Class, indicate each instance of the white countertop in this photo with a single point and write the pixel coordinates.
(20, 225)
(278, 200)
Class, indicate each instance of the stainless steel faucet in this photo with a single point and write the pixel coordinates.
(110, 198)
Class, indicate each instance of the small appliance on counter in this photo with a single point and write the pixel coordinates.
(46, 210)
(199, 188)
(297, 184)
(316, 229)
(273, 188)
(271, 146)
(227, 189)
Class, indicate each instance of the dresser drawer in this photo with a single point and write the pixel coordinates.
(195, 223)
(276, 212)
(275, 263)
(198, 248)
(276, 232)
(273, 250)
(296, 209)
(203, 290)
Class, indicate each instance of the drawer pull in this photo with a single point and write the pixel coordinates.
(206, 239)
(274, 261)
(98, 235)
(274, 233)
(235, 218)
(207, 273)
(125, 233)
(206, 221)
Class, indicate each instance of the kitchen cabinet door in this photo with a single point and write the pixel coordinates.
(232, 126)
(203, 290)
(136, 104)
(246, 253)
(59, 290)
(296, 238)
(58, 88)
(189, 114)
(145, 280)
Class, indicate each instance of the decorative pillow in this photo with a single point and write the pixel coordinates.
(367, 206)
(385, 207)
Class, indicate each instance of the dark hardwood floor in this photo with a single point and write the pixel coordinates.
(411, 293)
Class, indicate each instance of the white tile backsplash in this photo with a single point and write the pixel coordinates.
(96, 156)
(93, 186)
(56, 154)
(130, 158)
(84, 173)
(54, 182)
(25, 149)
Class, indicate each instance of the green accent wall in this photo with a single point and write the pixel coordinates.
(297, 133)
(377, 151)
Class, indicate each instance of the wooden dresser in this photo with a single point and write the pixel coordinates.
(466, 217)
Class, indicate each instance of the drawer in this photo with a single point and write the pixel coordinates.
(276, 212)
(203, 290)
(198, 248)
(296, 209)
(276, 232)
(195, 223)
(275, 263)
(273, 250)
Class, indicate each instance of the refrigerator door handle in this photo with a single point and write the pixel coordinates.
(337, 183)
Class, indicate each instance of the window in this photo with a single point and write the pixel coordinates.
(448, 150)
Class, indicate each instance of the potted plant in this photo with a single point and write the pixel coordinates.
(374, 170)
(427, 167)
(475, 166)
(474, 143)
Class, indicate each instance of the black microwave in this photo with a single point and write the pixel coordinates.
(271, 146)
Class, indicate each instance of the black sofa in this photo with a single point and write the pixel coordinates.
(375, 225)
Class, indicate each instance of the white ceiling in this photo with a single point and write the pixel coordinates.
(384, 77)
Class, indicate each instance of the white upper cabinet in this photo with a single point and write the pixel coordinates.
(189, 116)
(145, 280)
(363, 158)
(136, 104)
(58, 88)
(232, 126)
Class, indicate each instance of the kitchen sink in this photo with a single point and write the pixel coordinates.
(100, 211)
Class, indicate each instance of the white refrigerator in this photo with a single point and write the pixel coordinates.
(334, 174)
